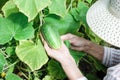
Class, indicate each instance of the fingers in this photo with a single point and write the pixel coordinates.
(44, 42)
(46, 45)
(48, 49)
(67, 36)
(42, 38)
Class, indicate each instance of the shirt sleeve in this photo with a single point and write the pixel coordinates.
(83, 78)
(111, 56)
(113, 73)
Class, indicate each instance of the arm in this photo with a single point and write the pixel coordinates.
(71, 70)
(108, 56)
(81, 44)
(95, 50)
(67, 62)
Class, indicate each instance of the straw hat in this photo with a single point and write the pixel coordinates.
(103, 17)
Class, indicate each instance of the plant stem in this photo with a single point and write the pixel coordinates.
(20, 68)
(3, 52)
(25, 76)
(11, 65)
(86, 60)
(70, 6)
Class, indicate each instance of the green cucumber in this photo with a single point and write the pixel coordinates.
(67, 43)
(51, 36)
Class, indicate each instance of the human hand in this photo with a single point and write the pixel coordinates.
(77, 43)
(81, 44)
(63, 56)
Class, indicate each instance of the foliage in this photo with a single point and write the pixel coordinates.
(31, 7)
(22, 55)
(32, 54)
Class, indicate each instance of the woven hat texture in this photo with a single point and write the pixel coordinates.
(103, 18)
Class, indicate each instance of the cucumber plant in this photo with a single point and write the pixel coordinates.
(22, 55)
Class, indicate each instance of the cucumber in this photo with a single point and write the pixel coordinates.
(51, 36)
(67, 43)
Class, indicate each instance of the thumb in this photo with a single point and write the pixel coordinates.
(66, 36)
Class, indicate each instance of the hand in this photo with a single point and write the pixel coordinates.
(81, 44)
(77, 43)
(63, 56)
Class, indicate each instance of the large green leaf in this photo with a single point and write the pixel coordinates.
(89, 1)
(5, 33)
(47, 77)
(80, 12)
(1, 15)
(55, 70)
(2, 2)
(58, 7)
(10, 51)
(77, 55)
(31, 7)
(32, 54)
(2, 62)
(17, 26)
(9, 8)
(64, 25)
(12, 76)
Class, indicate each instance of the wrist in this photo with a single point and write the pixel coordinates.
(95, 50)
(71, 70)
(68, 59)
(87, 47)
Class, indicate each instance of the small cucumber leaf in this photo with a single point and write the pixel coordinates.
(32, 54)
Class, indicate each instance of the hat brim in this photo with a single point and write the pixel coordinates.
(103, 23)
